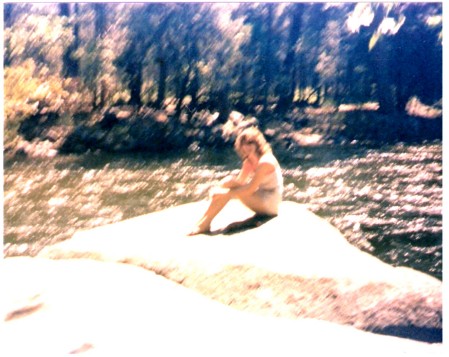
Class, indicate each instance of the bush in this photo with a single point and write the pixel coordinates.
(34, 48)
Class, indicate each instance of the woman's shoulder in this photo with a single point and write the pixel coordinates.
(269, 159)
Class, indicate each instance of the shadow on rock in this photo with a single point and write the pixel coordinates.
(241, 226)
(418, 333)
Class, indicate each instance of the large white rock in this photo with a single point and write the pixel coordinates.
(295, 265)
(64, 307)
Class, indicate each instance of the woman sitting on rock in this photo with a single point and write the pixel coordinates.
(258, 186)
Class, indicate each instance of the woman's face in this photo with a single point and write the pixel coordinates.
(247, 148)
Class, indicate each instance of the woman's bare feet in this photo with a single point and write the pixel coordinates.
(199, 230)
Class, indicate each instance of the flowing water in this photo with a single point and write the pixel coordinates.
(387, 201)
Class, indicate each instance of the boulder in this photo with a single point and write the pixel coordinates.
(306, 138)
(33, 127)
(65, 307)
(295, 265)
(370, 126)
(35, 149)
(123, 129)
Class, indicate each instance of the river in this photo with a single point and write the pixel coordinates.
(385, 200)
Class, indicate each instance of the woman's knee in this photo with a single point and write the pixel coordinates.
(229, 181)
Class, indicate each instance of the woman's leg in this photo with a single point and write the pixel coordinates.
(217, 203)
(259, 202)
(215, 206)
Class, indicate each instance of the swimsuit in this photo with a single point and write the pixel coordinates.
(270, 191)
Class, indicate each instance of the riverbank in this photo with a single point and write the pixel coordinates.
(128, 129)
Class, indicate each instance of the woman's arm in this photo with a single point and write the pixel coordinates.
(233, 181)
(263, 169)
(245, 172)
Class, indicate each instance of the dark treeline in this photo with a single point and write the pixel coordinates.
(250, 57)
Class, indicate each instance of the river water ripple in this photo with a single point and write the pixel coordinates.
(387, 201)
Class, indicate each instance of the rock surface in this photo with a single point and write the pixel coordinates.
(295, 265)
(65, 307)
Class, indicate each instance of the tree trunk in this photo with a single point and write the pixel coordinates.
(182, 91)
(195, 87)
(103, 93)
(100, 19)
(224, 105)
(64, 9)
(99, 86)
(7, 13)
(70, 64)
(243, 86)
(385, 94)
(162, 82)
(289, 66)
(135, 84)
(384, 86)
(268, 57)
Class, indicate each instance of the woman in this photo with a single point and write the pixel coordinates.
(258, 186)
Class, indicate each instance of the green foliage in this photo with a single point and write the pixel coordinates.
(96, 55)
(34, 46)
(43, 38)
(222, 56)
(29, 89)
(20, 87)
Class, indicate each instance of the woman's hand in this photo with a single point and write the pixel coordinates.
(247, 165)
(245, 172)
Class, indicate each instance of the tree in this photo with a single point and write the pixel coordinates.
(329, 61)
(8, 14)
(290, 64)
(247, 56)
(417, 61)
(131, 59)
(401, 45)
(147, 26)
(196, 48)
(100, 19)
(315, 19)
(100, 30)
(261, 51)
(70, 63)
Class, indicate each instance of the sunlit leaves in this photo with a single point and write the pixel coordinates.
(252, 53)
(436, 20)
(388, 26)
(373, 40)
(362, 15)
(17, 97)
(43, 38)
(30, 89)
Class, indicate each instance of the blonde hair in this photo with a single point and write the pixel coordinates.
(252, 135)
